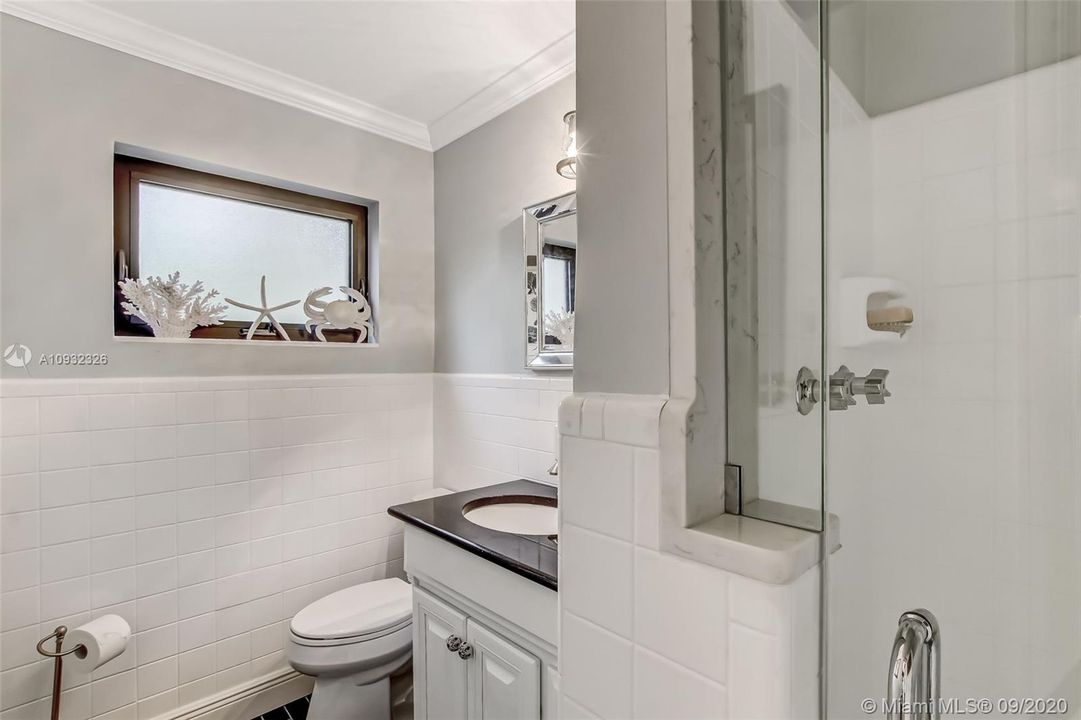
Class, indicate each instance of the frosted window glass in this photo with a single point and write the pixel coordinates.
(229, 244)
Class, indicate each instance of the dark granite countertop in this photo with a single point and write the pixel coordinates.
(531, 556)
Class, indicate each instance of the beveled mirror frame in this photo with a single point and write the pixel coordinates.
(534, 218)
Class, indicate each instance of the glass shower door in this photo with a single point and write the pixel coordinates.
(953, 259)
(773, 259)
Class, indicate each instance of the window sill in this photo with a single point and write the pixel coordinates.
(227, 341)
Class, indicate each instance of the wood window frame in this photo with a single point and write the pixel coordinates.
(129, 171)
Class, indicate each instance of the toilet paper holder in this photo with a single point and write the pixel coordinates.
(58, 655)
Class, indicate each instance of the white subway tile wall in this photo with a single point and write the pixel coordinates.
(645, 634)
(494, 428)
(206, 512)
(975, 205)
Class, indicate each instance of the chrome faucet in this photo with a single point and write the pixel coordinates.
(913, 690)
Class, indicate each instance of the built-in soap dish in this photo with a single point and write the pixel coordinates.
(871, 310)
(890, 319)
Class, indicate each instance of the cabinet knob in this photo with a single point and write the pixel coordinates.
(453, 643)
(465, 651)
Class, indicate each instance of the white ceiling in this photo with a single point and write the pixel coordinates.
(424, 72)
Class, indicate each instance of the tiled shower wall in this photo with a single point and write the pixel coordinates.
(973, 202)
(975, 205)
(206, 512)
(645, 634)
(494, 428)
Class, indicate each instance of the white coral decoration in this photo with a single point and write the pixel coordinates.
(171, 308)
(560, 324)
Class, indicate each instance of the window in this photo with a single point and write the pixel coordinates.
(228, 233)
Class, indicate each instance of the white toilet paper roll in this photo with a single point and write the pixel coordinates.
(102, 640)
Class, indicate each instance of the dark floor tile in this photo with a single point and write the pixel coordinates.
(298, 709)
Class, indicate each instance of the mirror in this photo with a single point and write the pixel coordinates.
(551, 246)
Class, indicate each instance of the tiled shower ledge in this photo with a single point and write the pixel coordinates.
(765, 551)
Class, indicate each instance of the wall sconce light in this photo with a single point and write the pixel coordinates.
(568, 166)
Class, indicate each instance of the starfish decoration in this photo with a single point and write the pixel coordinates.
(264, 312)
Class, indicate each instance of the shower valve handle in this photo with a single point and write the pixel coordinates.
(872, 386)
(845, 385)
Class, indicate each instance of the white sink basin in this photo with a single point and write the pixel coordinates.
(518, 515)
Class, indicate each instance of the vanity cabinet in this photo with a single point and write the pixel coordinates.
(439, 675)
(485, 611)
(463, 670)
(503, 679)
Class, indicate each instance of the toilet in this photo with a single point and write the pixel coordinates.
(351, 642)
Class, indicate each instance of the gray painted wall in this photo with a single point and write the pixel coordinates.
(65, 103)
(621, 329)
(482, 182)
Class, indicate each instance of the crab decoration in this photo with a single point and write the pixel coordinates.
(352, 314)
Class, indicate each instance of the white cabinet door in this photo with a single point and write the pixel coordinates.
(439, 675)
(504, 680)
(549, 693)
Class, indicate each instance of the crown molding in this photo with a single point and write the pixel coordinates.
(541, 71)
(105, 27)
(98, 25)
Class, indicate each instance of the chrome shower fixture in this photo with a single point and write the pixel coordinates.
(845, 385)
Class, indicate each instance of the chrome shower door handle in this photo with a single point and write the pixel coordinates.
(913, 689)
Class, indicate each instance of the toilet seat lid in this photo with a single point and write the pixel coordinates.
(364, 609)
